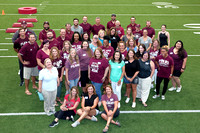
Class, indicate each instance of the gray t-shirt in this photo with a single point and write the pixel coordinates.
(146, 43)
(79, 29)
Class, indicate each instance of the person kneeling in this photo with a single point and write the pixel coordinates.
(110, 104)
(68, 108)
(89, 105)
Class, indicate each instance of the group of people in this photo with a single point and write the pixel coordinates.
(136, 58)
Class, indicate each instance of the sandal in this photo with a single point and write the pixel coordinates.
(35, 87)
(56, 104)
(105, 130)
(118, 124)
(28, 93)
(59, 101)
(145, 105)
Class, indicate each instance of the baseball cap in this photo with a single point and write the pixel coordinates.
(46, 22)
(113, 15)
(137, 25)
(23, 22)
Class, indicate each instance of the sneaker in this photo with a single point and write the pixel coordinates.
(18, 72)
(49, 113)
(152, 86)
(127, 100)
(155, 96)
(94, 118)
(21, 83)
(172, 88)
(72, 118)
(36, 80)
(117, 123)
(154, 90)
(75, 124)
(163, 97)
(179, 89)
(119, 105)
(53, 124)
(133, 104)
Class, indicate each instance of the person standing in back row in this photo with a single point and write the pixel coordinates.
(97, 27)
(112, 22)
(76, 27)
(163, 36)
(150, 30)
(86, 26)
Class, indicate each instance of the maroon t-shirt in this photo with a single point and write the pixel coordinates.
(86, 28)
(124, 54)
(137, 35)
(59, 64)
(97, 69)
(110, 24)
(110, 102)
(19, 43)
(164, 65)
(95, 29)
(28, 52)
(64, 55)
(84, 59)
(178, 62)
(43, 34)
(107, 52)
(150, 30)
(120, 31)
(42, 56)
(61, 41)
(77, 46)
(53, 43)
(154, 54)
(69, 35)
(73, 69)
(132, 26)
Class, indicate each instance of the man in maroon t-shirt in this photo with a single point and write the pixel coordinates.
(27, 56)
(86, 26)
(97, 27)
(119, 29)
(62, 37)
(150, 30)
(43, 33)
(111, 23)
(52, 41)
(18, 44)
(132, 24)
(69, 33)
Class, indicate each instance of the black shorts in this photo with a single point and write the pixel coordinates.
(84, 78)
(115, 115)
(177, 73)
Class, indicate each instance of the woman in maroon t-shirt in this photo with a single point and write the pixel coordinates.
(110, 104)
(68, 108)
(179, 55)
(122, 49)
(57, 62)
(42, 54)
(76, 41)
(65, 50)
(165, 65)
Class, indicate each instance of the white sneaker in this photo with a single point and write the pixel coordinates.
(119, 105)
(18, 72)
(155, 96)
(152, 86)
(163, 97)
(172, 88)
(127, 100)
(133, 104)
(75, 124)
(179, 89)
(94, 118)
(154, 90)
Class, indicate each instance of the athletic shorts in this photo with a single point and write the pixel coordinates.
(30, 71)
(177, 73)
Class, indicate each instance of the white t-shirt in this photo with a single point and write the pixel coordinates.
(49, 79)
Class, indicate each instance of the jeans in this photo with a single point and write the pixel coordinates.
(73, 82)
(98, 89)
(21, 68)
(59, 89)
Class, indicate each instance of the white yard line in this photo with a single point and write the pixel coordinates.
(189, 15)
(3, 49)
(122, 112)
(6, 43)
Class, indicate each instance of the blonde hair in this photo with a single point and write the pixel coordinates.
(70, 94)
(101, 31)
(45, 61)
(51, 53)
(158, 47)
(66, 42)
(165, 47)
(76, 56)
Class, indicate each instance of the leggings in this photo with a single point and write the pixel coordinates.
(158, 82)
(63, 114)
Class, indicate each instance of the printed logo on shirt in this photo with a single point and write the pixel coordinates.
(111, 99)
(22, 43)
(95, 67)
(164, 63)
(171, 53)
(106, 52)
(66, 56)
(31, 49)
(58, 64)
(74, 65)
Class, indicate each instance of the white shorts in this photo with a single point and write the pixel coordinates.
(30, 71)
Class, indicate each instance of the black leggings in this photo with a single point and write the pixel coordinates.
(158, 82)
(63, 114)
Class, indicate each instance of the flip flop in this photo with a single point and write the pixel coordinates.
(35, 87)
(28, 93)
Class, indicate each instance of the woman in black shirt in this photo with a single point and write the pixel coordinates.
(89, 106)
(114, 38)
(132, 68)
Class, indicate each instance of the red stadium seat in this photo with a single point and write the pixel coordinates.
(11, 30)
(19, 25)
(27, 20)
(27, 10)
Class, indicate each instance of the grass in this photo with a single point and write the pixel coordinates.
(14, 100)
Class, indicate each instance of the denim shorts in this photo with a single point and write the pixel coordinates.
(135, 80)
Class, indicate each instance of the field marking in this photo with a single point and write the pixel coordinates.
(107, 14)
(99, 4)
(8, 38)
(122, 112)
(3, 49)
(6, 43)
(17, 56)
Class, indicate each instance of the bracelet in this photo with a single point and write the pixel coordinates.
(183, 68)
